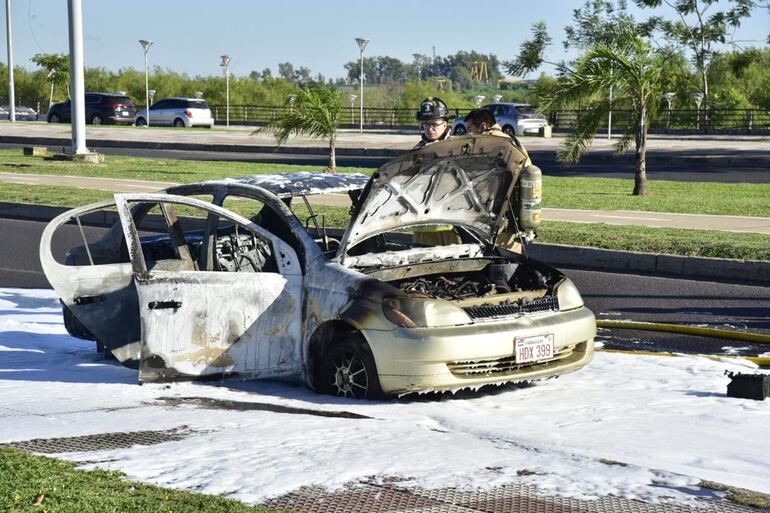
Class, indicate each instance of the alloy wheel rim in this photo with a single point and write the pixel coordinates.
(350, 377)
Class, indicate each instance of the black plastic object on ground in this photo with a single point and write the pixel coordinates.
(749, 386)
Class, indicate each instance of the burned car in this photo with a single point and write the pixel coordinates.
(221, 278)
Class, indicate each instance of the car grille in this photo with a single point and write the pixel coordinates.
(543, 304)
(506, 365)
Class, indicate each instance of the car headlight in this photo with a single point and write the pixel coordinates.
(423, 313)
(568, 295)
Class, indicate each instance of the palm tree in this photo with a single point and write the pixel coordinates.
(633, 69)
(314, 111)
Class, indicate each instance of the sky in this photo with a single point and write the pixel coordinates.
(668, 419)
(191, 35)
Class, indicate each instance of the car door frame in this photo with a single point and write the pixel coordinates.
(255, 331)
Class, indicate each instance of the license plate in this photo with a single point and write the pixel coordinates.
(534, 349)
(124, 113)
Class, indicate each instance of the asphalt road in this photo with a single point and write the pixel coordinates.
(610, 295)
(682, 170)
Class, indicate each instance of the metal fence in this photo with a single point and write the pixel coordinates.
(746, 121)
(725, 121)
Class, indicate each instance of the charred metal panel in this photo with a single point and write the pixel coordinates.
(218, 323)
(286, 185)
(464, 182)
(414, 256)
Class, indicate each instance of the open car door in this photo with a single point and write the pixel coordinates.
(233, 307)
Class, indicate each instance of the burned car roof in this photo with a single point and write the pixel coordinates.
(285, 185)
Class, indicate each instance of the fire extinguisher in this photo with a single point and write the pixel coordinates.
(530, 200)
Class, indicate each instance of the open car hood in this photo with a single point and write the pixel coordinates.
(464, 181)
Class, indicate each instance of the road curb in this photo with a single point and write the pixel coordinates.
(576, 257)
(670, 266)
(751, 160)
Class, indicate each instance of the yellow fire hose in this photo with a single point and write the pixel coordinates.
(756, 338)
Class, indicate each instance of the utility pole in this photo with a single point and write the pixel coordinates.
(11, 92)
(76, 75)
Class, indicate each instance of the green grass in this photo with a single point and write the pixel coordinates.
(559, 192)
(65, 489)
(742, 199)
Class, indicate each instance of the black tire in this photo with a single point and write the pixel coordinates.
(347, 369)
(141, 122)
(460, 130)
(54, 118)
(97, 119)
(178, 123)
(508, 129)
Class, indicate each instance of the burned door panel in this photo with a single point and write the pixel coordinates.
(202, 323)
(243, 317)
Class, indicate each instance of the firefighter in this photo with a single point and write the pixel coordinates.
(526, 200)
(434, 121)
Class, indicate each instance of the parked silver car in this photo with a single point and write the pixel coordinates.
(177, 112)
(240, 285)
(514, 118)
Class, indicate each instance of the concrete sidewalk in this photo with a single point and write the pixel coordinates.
(744, 224)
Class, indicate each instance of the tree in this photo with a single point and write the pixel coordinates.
(633, 69)
(57, 65)
(701, 29)
(286, 71)
(615, 56)
(314, 111)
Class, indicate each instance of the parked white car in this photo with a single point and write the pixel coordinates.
(513, 118)
(177, 112)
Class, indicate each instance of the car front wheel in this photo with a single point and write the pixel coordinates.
(460, 130)
(347, 369)
(508, 129)
(141, 122)
(54, 118)
(97, 120)
(178, 123)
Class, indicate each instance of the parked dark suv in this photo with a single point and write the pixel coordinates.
(101, 108)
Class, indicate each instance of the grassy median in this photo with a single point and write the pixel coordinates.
(559, 192)
(40, 484)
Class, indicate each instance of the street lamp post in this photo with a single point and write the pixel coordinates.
(11, 88)
(152, 96)
(418, 60)
(479, 98)
(51, 73)
(146, 44)
(226, 67)
(669, 98)
(698, 97)
(362, 42)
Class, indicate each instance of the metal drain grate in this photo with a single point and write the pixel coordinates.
(518, 498)
(99, 442)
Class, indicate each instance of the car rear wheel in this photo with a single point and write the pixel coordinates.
(460, 130)
(54, 118)
(141, 122)
(97, 119)
(178, 123)
(508, 129)
(347, 369)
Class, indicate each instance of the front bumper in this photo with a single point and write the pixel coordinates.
(423, 359)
